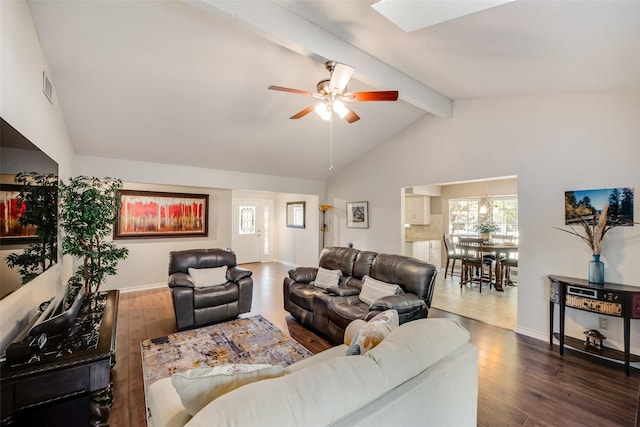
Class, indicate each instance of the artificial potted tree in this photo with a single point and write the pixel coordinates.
(88, 212)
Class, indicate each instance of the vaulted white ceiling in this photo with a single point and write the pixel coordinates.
(185, 82)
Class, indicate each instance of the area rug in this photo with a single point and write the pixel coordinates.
(250, 340)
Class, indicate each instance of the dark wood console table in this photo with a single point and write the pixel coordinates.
(610, 299)
(67, 383)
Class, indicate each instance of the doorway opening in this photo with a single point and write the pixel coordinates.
(461, 210)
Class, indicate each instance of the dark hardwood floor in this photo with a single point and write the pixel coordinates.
(522, 382)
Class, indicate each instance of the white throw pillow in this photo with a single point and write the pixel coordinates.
(373, 289)
(200, 386)
(326, 278)
(209, 276)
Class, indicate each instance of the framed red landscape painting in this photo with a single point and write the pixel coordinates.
(11, 231)
(151, 214)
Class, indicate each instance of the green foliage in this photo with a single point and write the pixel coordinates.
(38, 193)
(487, 227)
(88, 211)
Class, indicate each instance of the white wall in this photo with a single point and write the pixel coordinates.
(552, 143)
(295, 248)
(157, 173)
(148, 260)
(298, 246)
(23, 105)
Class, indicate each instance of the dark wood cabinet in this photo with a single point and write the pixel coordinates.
(610, 299)
(66, 382)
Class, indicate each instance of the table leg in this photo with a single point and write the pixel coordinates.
(498, 271)
(627, 344)
(551, 307)
(100, 407)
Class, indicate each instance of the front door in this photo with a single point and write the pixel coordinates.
(252, 237)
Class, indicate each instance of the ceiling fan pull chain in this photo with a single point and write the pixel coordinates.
(331, 144)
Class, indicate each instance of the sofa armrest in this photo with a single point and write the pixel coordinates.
(181, 280)
(234, 274)
(343, 291)
(407, 304)
(303, 274)
(245, 294)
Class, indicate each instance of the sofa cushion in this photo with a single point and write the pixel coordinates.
(327, 278)
(315, 396)
(323, 356)
(338, 258)
(373, 289)
(401, 352)
(414, 276)
(180, 261)
(215, 296)
(373, 332)
(200, 386)
(344, 310)
(204, 277)
(301, 294)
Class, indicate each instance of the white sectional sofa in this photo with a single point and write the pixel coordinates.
(424, 373)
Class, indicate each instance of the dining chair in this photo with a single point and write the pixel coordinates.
(473, 263)
(453, 253)
(510, 261)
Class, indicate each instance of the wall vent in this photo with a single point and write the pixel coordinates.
(47, 87)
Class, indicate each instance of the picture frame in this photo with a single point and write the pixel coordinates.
(156, 214)
(11, 232)
(357, 214)
(296, 214)
(589, 203)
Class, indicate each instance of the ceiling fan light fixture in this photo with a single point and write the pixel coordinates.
(323, 111)
(339, 108)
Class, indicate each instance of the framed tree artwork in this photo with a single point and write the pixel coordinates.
(357, 214)
(152, 214)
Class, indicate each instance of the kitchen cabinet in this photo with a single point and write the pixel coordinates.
(417, 209)
(425, 250)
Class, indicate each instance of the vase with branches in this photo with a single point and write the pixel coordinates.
(592, 229)
(88, 212)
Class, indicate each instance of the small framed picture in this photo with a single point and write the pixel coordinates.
(357, 214)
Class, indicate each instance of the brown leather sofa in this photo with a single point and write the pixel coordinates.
(196, 306)
(329, 311)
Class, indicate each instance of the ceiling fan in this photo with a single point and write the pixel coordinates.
(333, 95)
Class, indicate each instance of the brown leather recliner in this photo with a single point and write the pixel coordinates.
(330, 311)
(196, 306)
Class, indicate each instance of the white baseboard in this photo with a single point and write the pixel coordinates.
(142, 287)
(531, 333)
(286, 263)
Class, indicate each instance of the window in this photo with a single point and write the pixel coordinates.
(464, 215)
(504, 212)
(247, 223)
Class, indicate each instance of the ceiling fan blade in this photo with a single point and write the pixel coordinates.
(303, 113)
(340, 77)
(297, 91)
(383, 95)
(351, 116)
